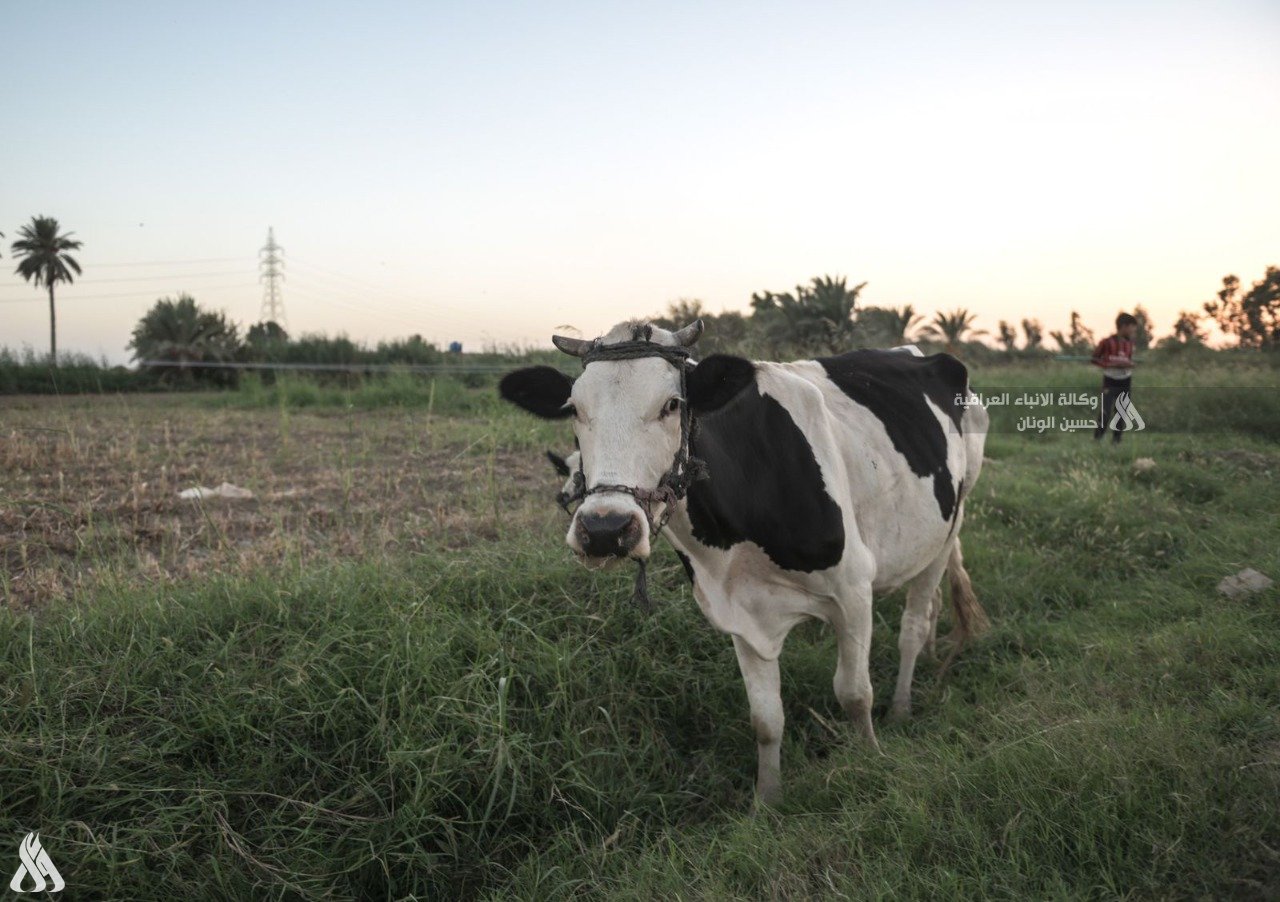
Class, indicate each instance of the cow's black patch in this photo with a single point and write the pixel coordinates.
(688, 564)
(894, 386)
(715, 381)
(764, 485)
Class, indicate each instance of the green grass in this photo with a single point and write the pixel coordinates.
(498, 722)
(1220, 392)
(444, 394)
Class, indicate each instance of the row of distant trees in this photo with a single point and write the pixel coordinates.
(178, 331)
(823, 316)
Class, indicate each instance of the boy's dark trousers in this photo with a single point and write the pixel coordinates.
(1111, 390)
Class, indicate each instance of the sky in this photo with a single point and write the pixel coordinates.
(490, 172)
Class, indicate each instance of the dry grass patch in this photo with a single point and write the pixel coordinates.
(90, 489)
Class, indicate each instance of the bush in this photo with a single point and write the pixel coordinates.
(28, 374)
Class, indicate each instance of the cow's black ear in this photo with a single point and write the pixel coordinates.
(541, 390)
(717, 380)
(561, 465)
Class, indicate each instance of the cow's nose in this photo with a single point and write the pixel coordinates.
(608, 534)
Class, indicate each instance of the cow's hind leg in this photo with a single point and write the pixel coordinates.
(919, 622)
(764, 693)
(852, 682)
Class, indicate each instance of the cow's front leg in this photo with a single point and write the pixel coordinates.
(852, 682)
(764, 693)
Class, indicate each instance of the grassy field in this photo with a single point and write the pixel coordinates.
(383, 677)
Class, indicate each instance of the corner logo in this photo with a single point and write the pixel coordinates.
(1126, 416)
(35, 864)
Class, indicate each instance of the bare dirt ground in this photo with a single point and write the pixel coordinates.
(89, 489)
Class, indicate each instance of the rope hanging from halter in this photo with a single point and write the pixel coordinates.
(674, 484)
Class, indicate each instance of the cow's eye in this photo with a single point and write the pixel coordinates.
(572, 410)
(672, 406)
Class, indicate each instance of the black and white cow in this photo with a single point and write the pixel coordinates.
(827, 481)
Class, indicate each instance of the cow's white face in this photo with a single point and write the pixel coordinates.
(626, 416)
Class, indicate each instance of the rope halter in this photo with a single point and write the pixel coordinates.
(674, 484)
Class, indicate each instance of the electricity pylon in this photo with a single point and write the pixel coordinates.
(272, 266)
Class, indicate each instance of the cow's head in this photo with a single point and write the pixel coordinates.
(626, 415)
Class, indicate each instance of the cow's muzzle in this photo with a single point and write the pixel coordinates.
(607, 534)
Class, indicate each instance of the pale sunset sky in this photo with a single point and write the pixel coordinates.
(488, 172)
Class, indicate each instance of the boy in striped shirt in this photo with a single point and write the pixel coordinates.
(1115, 356)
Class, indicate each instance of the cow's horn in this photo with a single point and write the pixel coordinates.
(575, 347)
(689, 335)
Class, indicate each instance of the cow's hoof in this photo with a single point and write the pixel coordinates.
(859, 713)
(768, 787)
(899, 714)
(766, 798)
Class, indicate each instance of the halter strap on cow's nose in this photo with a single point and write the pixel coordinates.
(647, 498)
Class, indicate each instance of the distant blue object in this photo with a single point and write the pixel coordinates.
(455, 347)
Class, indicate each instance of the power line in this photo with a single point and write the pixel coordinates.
(185, 275)
(312, 294)
(140, 293)
(364, 283)
(169, 262)
(352, 287)
(333, 367)
(358, 302)
(387, 293)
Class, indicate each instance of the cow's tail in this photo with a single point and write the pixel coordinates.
(969, 619)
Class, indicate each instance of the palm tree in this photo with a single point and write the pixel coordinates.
(1008, 336)
(906, 323)
(834, 302)
(179, 331)
(1034, 332)
(887, 326)
(1078, 341)
(951, 328)
(45, 261)
(901, 322)
(817, 315)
